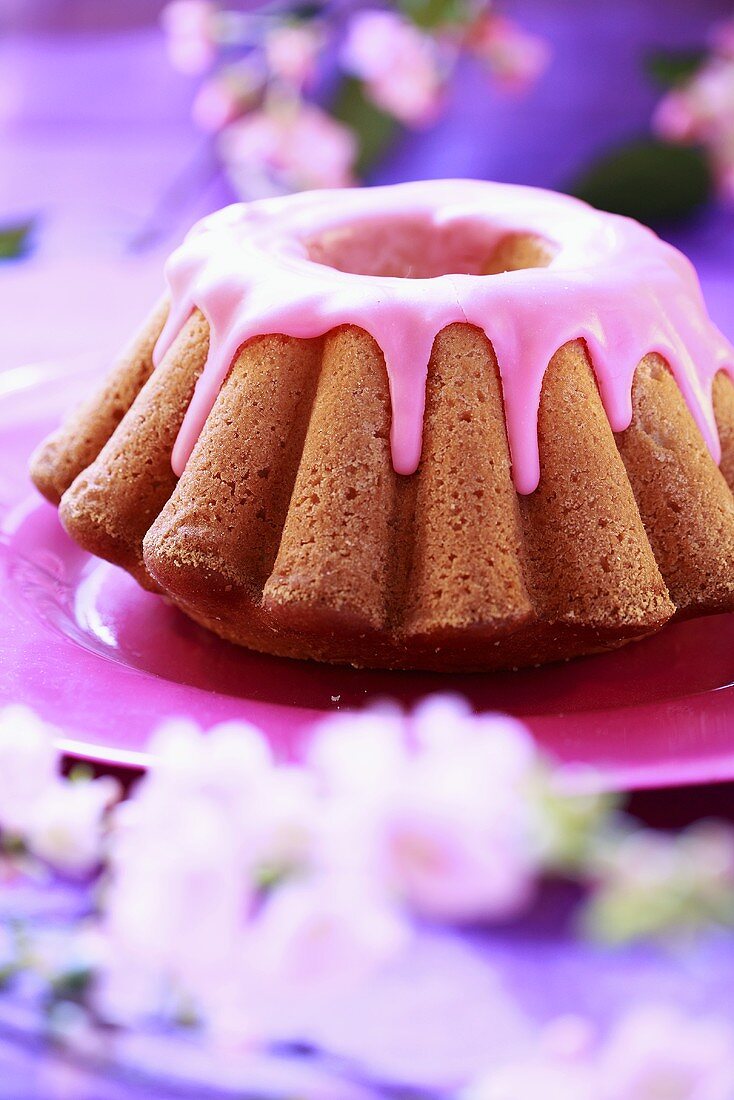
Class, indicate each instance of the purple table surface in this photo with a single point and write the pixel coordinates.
(95, 140)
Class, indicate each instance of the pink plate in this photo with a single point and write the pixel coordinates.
(106, 661)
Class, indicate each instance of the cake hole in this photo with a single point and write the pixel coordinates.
(415, 248)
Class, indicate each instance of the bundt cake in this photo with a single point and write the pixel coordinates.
(444, 425)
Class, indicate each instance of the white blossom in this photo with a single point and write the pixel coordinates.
(29, 763)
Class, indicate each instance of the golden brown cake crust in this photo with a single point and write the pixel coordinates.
(290, 532)
(467, 565)
(216, 538)
(723, 395)
(589, 559)
(72, 448)
(335, 552)
(112, 503)
(684, 500)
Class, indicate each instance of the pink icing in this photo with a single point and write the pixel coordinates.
(250, 269)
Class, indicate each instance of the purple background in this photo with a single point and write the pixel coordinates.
(95, 139)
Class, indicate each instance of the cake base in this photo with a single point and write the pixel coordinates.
(290, 533)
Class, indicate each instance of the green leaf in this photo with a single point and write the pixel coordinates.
(71, 985)
(15, 239)
(670, 68)
(81, 773)
(305, 11)
(435, 13)
(12, 844)
(8, 971)
(375, 129)
(648, 180)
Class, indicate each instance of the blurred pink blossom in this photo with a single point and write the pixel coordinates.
(674, 118)
(546, 1077)
(321, 936)
(461, 833)
(709, 101)
(398, 63)
(433, 807)
(215, 105)
(558, 1067)
(405, 69)
(657, 1051)
(515, 58)
(651, 1052)
(291, 51)
(280, 824)
(66, 828)
(360, 757)
(235, 886)
(358, 762)
(446, 723)
(176, 901)
(299, 145)
(225, 763)
(29, 763)
(224, 97)
(702, 111)
(188, 26)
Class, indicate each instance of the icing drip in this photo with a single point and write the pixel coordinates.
(252, 269)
